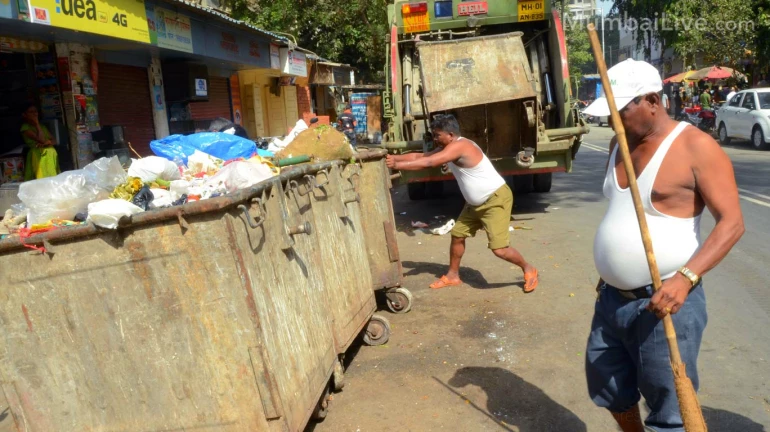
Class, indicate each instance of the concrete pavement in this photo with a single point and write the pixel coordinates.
(486, 357)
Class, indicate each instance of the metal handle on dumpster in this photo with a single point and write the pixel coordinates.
(351, 197)
(288, 230)
(324, 183)
(304, 228)
(257, 221)
(294, 185)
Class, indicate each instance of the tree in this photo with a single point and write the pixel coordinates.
(351, 32)
(722, 36)
(579, 54)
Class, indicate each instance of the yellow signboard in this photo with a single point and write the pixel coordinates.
(531, 10)
(123, 19)
(416, 22)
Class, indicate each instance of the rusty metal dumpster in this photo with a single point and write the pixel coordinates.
(380, 230)
(217, 315)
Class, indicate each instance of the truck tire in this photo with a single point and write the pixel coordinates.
(521, 184)
(416, 191)
(434, 190)
(542, 182)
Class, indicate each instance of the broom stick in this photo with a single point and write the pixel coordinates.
(692, 416)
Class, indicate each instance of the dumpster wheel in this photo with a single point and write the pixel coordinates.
(399, 300)
(338, 378)
(322, 408)
(377, 331)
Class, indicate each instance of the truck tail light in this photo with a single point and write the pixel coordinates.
(410, 8)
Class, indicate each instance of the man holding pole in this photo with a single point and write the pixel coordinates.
(680, 172)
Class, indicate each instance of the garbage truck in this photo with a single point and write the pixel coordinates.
(501, 68)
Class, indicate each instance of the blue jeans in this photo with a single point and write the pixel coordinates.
(627, 355)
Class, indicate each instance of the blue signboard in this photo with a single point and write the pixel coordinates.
(358, 103)
(6, 10)
(236, 46)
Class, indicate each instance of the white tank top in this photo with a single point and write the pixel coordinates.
(477, 184)
(618, 250)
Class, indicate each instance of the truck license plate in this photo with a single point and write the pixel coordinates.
(531, 10)
(416, 22)
(472, 8)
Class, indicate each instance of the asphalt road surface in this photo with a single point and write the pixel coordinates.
(486, 357)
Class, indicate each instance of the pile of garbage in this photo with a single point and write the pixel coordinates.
(319, 142)
(186, 169)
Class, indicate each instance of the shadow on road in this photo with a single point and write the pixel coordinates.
(725, 421)
(512, 401)
(469, 276)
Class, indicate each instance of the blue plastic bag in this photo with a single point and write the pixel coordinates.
(220, 145)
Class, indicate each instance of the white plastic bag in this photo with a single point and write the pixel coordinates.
(299, 127)
(107, 213)
(69, 193)
(239, 175)
(443, 230)
(179, 188)
(161, 198)
(200, 162)
(152, 168)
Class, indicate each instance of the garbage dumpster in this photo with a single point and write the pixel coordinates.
(380, 230)
(209, 316)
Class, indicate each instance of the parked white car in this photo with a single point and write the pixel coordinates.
(746, 115)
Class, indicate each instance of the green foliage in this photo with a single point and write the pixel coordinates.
(351, 32)
(721, 36)
(579, 54)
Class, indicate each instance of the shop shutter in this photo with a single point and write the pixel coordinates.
(218, 104)
(124, 99)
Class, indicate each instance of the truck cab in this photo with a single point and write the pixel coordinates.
(501, 68)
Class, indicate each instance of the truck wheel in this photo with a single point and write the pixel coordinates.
(434, 189)
(417, 191)
(542, 182)
(521, 184)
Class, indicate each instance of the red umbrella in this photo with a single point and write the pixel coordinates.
(714, 73)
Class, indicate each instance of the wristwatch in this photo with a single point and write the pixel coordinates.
(689, 274)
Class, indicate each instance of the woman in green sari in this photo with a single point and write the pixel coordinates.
(42, 159)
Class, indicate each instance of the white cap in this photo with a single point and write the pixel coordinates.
(629, 79)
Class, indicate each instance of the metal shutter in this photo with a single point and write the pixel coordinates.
(218, 104)
(124, 99)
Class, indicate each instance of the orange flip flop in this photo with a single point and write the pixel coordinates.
(444, 282)
(530, 281)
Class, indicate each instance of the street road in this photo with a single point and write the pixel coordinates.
(486, 357)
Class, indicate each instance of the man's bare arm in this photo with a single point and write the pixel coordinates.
(715, 181)
(413, 156)
(449, 153)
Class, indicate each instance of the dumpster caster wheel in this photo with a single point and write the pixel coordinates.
(339, 376)
(322, 409)
(399, 300)
(377, 331)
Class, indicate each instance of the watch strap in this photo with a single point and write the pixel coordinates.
(689, 274)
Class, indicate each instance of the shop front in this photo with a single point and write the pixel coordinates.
(274, 99)
(110, 86)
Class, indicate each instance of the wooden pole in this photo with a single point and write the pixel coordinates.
(692, 416)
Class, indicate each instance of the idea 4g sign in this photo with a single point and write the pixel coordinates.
(124, 19)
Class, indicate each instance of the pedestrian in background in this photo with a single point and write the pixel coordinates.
(41, 160)
(347, 123)
(705, 99)
(681, 171)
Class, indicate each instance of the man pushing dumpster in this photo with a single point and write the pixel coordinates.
(489, 200)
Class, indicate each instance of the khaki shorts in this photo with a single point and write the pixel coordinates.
(494, 216)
